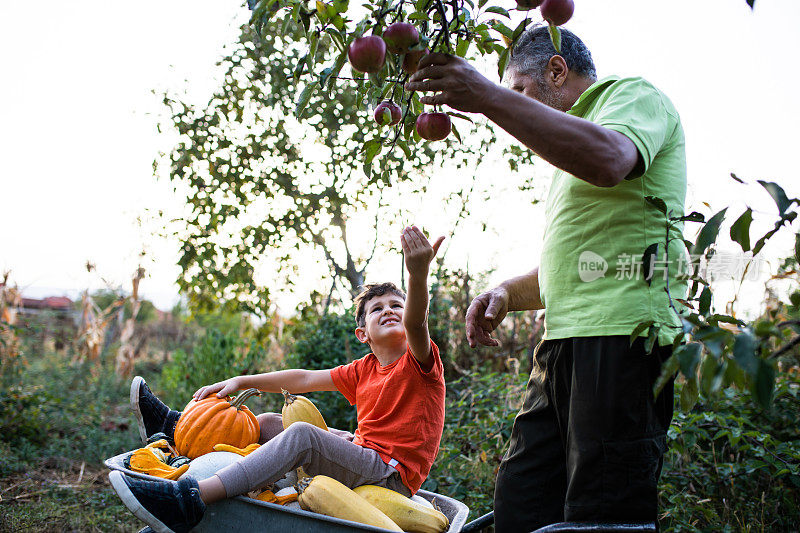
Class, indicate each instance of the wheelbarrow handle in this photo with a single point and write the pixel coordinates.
(479, 523)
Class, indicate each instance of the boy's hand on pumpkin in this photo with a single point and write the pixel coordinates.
(222, 388)
(418, 251)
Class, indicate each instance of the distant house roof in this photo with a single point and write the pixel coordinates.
(60, 303)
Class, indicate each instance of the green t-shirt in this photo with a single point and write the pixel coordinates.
(591, 276)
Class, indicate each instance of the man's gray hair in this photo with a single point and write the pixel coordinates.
(534, 49)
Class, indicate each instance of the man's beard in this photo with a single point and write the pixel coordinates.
(549, 97)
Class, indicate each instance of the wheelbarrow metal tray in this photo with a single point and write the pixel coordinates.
(246, 515)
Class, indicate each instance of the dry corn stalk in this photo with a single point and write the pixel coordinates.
(126, 352)
(10, 299)
(94, 323)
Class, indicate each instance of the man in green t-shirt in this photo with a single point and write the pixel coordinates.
(588, 443)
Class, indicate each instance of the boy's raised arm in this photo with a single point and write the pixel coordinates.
(418, 256)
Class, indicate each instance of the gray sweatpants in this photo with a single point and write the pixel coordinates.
(330, 453)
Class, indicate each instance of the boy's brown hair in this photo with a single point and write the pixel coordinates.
(371, 290)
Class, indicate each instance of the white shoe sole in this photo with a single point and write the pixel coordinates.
(117, 480)
(135, 385)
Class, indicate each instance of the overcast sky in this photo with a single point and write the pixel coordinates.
(78, 130)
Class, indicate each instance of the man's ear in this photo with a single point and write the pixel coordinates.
(557, 70)
(361, 335)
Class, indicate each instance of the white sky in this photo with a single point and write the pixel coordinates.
(78, 121)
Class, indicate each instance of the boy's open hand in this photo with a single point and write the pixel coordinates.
(222, 388)
(418, 250)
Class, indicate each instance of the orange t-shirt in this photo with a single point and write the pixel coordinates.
(400, 410)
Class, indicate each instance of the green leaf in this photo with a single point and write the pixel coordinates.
(740, 230)
(694, 216)
(652, 339)
(676, 343)
(778, 195)
(668, 370)
(312, 53)
(371, 149)
(404, 146)
(745, 348)
(455, 132)
(712, 373)
(300, 67)
(417, 16)
(639, 329)
(461, 116)
(797, 247)
(555, 37)
(657, 202)
(462, 47)
(716, 319)
(785, 218)
(709, 233)
(502, 29)
(648, 262)
(705, 301)
(689, 394)
(689, 357)
(499, 10)
(503, 61)
(764, 383)
(303, 99)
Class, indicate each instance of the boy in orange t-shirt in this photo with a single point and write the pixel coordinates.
(399, 394)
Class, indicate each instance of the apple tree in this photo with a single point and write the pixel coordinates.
(259, 181)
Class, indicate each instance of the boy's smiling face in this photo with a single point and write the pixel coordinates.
(383, 320)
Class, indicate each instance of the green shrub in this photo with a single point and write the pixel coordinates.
(733, 466)
(479, 413)
(215, 357)
(326, 341)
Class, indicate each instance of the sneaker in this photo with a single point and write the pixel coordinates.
(166, 506)
(153, 415)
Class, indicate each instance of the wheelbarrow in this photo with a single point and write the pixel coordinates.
(246, 515)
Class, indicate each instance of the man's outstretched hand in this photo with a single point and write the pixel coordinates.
(457, 83)
(484, 314)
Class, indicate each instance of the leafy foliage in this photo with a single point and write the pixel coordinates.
(733, 466)
(713, 351)
(327, 341)
(215, 357)
(261, 184)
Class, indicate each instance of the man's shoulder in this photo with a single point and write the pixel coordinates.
(639, 88)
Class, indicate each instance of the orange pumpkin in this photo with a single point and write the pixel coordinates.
(213, 421)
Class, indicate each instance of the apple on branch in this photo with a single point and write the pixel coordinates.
(400, 37)
(367, 54)
(387, 113)
(433, 126)
(557, 12)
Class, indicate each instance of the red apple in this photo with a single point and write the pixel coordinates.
(433, 126)
(400, 37)
(387, 112)
(367, 54)
(411, 60)
(524, 5)
(557, 12)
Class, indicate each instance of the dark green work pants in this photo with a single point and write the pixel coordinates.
(588, 443)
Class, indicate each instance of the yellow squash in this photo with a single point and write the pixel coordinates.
(325, 495)
(298, 408)
(405, 512)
